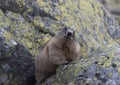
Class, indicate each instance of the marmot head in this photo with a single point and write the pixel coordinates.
(67, 33)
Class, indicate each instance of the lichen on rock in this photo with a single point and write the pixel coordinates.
(27, 25)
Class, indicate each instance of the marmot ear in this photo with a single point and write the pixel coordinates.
(74, 33)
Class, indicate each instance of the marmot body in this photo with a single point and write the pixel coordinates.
(61, 49)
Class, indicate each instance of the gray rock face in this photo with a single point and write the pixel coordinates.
(23, 6)
(113, 8)
(16, 64)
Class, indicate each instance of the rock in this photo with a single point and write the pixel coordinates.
(27, 25)
(113, 8)
(16, 64)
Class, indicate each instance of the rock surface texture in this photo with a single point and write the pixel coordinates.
(113, 6)
(27, 25)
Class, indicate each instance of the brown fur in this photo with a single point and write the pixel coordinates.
(57, 51)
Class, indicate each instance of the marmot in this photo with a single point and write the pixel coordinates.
(61, 49)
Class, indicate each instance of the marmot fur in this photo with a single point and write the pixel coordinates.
(61, 49)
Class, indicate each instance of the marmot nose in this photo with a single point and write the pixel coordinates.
(69, 34)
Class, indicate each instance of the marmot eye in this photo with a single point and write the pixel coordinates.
(65, 28)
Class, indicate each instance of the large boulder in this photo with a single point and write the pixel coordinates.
(27, 25)
(16, 64)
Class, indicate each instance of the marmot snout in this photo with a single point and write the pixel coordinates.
(61, 49)
(69, 33)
